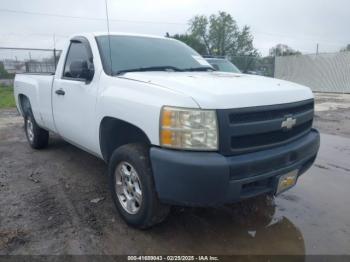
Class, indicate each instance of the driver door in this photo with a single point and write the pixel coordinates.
(74, 97)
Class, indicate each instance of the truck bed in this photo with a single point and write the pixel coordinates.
(38, 88)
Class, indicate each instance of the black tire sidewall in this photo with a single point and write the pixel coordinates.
(41, 136)
(140, 161)
(30, 116)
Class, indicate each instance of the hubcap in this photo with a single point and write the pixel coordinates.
(30, 130)
(128, 187)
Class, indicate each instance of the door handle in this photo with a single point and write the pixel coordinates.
(60, 92)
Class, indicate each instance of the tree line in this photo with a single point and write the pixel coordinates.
(220, 35)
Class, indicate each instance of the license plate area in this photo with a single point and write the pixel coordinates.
(287, 181)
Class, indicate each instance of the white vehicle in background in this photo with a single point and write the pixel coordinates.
(222, 64)
(172, 130)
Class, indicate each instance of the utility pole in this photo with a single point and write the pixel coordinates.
(317, 48)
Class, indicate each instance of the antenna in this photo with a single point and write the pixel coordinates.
(109, 38)
(54, 52)
(54, 41)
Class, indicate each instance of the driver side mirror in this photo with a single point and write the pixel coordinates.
(80, 69)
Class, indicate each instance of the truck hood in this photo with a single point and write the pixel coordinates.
(217, 90)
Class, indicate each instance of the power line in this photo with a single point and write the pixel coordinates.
(90, 18)
(25, 49)
(48, 14)
(305, 38)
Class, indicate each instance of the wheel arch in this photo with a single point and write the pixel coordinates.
(24, 104)
(114, 133)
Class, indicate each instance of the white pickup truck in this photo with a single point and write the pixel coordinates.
(172, 130)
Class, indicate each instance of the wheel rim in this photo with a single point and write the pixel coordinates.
(128, 187)
(30, 129)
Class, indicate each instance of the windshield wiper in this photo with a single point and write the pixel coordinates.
(151, 68)
(199, 69)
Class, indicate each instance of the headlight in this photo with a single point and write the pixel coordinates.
(191, 129)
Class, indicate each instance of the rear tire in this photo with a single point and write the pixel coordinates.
(37, 137)
(133, 189)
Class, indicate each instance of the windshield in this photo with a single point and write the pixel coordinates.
(223, 65)
(134, 53)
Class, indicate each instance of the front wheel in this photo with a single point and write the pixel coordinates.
(37, 137)
(132, 186)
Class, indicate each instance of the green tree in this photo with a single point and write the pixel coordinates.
(283, 50)
(3, 73)
(191, 41)
(221, 35)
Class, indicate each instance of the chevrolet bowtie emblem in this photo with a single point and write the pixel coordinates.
(289, 123)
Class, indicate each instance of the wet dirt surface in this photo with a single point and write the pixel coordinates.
(46, 208)
(333, 113)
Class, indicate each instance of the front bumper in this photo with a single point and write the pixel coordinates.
(209, 179)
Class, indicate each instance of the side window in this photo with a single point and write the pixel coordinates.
(77, 53)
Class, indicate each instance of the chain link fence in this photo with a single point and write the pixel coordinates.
(264, 66)
(321, 72)
(25, 60)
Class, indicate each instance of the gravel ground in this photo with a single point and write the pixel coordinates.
(46, 208)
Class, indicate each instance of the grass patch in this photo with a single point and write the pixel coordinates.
(7, 99)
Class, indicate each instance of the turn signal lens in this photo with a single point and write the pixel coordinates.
(189, 129)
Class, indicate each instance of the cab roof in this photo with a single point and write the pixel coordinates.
(127, 34)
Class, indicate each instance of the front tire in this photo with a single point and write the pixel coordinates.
(37, 137)
(132, 187)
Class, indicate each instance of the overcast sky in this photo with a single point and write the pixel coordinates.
(299, 23)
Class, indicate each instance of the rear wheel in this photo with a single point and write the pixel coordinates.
(37, 137)
(132, 186)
